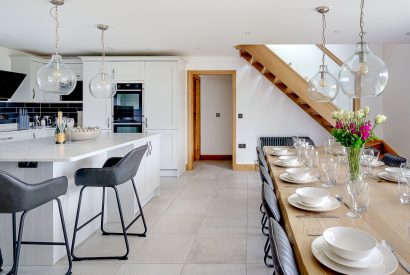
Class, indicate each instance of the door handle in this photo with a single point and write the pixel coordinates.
(34, 93)
(108, 122)
(146, 123)
(113, 73)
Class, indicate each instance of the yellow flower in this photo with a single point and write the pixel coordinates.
(380, 119)
(366, 110)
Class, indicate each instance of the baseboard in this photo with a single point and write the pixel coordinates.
(168, 173)
(244, 167)
(215, 157)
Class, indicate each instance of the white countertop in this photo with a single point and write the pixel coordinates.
(44, 149)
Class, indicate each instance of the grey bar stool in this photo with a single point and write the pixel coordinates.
(114, 172)
(17, 196)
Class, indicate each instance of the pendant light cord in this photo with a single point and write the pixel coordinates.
(362, 32)
(54, 14)
(102, 50)
(323, 36)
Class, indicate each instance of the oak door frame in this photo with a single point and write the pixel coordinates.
(191, 74)
(197, 117)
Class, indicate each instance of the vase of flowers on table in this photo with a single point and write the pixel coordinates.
(353, 130)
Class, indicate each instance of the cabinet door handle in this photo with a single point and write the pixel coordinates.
(7, 138)
(147, 149)
(34, 93)
(113, 73)
(150, 150)
(108, 122)
(146, 123)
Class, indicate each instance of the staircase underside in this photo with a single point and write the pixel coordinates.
(288, 81)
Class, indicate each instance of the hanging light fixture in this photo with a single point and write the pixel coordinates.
(323, 86)
(56, 77)
(102, 85)
(364, 75)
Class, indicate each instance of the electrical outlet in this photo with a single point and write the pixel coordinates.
(242, 145)
(218, 114)
(240, 115)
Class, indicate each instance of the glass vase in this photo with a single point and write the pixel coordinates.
(353, 159)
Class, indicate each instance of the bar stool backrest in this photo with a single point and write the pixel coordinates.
(127, 167)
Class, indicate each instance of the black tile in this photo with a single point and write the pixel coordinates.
(15, 104)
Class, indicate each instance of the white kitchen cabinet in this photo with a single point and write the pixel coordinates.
(151, 168)
(168, 144)
(160, 95)
(97, 112)
(29, 91)
(125, 71)
(25, 135)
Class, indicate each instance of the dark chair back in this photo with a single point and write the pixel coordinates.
(282, 253)
(266, 177)
(270, 203)
(393, 161)
(262, 161)
(17, 196)
(259, 151)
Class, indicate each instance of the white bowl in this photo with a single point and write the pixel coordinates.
(312, 195)
(85, 135)
(395, 172)
(279, 150)
(298, 173)
(349, 243)
(288, 160)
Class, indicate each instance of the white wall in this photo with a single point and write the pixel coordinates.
(216, 132)
(396, 98)
(266, 110)
(5, 61)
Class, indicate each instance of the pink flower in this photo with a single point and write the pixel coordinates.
(352, 128)
(365, 130)
(339, 124)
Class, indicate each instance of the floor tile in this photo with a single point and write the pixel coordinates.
(87, 268)
(197, 193)
(258, 269)
(218, 249)
(225, 208)
(150, 269)
(162, 248)
(254, 248)
(176, 223)
(224, 225)
(231, 194)
(188, 206)
(213, 269)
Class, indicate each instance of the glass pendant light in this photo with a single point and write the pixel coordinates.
(56, 77)
(323, 86)
(364, 75)
(102, 85)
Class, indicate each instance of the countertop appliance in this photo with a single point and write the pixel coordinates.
(127, 107)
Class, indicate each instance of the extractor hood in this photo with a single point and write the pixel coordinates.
(9, 82)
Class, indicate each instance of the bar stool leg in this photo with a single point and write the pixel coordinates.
(11, 272)
(67, 247)
(102, 213)
(76, 225)
(266, 252)
(18, 246)
(140, 208)
(1, 261)
(124, 230)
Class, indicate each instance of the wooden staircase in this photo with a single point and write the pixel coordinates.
(295, 87)
(288, 81)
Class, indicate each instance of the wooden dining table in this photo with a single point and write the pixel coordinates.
(385, 218)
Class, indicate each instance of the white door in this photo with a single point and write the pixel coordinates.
(168, 152)
(159, 95)
(128, 70)
(97, 112)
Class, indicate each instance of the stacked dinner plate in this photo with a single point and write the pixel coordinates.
(392, 174)
(298, 176)
(281, 151)
(288, 162)
(352, 251)
(313, 199)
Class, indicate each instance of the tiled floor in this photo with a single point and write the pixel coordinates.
(206, 222)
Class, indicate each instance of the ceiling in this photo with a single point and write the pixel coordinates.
(192, 27)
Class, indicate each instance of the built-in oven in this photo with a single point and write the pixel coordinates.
(127, 108)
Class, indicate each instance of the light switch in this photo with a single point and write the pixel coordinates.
(240, 115)
(218, 114)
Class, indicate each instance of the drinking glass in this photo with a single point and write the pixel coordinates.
(300, 150)
(330, 142)
(359, 191)
(329, 166)
(370, 155)
(62, 124)
(70, 126)
(404, 183)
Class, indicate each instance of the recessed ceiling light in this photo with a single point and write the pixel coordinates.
(247, 33)
(337, 31)
(408, 33)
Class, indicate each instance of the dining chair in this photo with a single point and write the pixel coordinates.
(266, 178)
(18, 196)
(282, 254)
(270, 204)
(393, 161)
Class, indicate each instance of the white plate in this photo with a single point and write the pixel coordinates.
(285, 177)
(287, 153)
(385, 176)
(373, 260)
(388, 266)
(331, 204)
(278, 162)
(374, 164)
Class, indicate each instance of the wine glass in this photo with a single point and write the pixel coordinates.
(329, 166)
(369, 156)
(359, 191)
(62, 124)
(330, 142)
(70, 126)
(404, 183)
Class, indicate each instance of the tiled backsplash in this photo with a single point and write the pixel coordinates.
(10, 110)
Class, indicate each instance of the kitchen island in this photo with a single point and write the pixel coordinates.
(37, 160)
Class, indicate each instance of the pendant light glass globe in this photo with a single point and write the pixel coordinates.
(56, 77)
(102, 85)
(364, 75)
(323, 86)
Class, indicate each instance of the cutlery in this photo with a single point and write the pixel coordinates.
(320, 216)
(340, 199)
(314, 234)
(402, 262)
